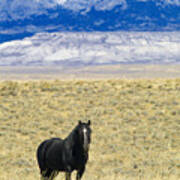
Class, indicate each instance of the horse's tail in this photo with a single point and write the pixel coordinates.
(41, 155)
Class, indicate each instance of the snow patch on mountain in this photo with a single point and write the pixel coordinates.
(92, 48)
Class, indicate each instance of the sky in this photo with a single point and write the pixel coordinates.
(10, 8)
(19, 18)
(20, 9)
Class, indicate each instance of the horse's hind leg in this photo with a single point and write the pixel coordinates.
(44, 178)
(68, 176)
(48, 174)
(44, 175)
(53, 175)
(80, 173)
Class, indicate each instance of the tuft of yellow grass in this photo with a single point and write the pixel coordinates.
(135, 126)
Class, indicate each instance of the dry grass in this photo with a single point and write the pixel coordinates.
(136, 125)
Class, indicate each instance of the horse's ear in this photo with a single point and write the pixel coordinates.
(80, 122)
(89, 122)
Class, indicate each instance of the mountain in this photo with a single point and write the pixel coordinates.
(92, 48)
(28, 18)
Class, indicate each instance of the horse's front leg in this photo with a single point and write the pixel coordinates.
(68, 176)
(80, 173)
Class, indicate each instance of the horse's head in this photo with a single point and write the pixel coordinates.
(84, 134)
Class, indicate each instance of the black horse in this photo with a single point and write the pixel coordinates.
(55, 155)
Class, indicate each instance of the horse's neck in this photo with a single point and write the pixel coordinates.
(79, 151)
(75, 144)
(69, 140)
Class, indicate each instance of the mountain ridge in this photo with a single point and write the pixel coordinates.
(92, 48)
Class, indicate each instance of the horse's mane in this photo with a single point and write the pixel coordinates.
(72, 137)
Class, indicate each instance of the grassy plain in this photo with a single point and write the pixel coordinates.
(135, 123)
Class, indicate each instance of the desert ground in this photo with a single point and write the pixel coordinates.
(135, 116)
(122, 71)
